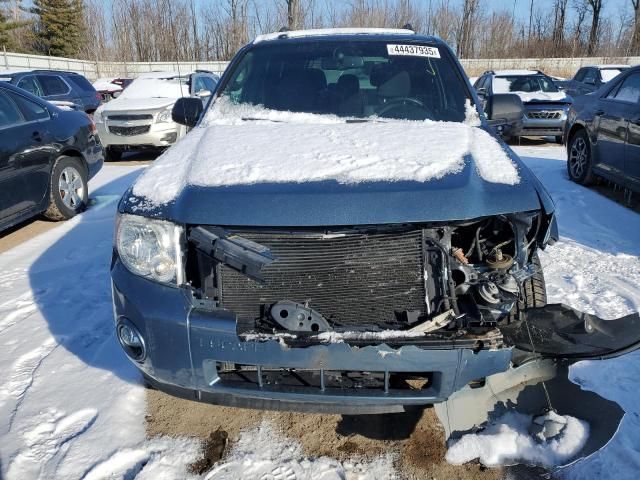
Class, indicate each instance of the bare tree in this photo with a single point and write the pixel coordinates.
(596, 8)
(465, 38)
(560, 15)
(635, 39)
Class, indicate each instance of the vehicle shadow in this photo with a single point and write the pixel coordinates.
(71, 284)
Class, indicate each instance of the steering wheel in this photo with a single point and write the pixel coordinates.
(401, 102)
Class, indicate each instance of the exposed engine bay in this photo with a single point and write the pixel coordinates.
(461, 279)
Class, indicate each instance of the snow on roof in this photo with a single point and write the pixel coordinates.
(167, 74)
(227, 150)
(514, 73)
(604, 67)
(332, 31)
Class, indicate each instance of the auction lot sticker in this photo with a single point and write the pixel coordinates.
(413, 51)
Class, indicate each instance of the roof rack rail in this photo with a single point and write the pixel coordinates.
(197, 70)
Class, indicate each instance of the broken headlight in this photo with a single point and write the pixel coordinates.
(150, 248)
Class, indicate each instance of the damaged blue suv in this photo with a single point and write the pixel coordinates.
(341, 231)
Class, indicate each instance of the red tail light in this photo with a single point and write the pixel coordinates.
(92, 125)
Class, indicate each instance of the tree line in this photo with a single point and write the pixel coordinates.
(205, 30)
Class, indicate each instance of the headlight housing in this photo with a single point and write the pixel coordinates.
(150, 248)
(97, 116)
(165, 116)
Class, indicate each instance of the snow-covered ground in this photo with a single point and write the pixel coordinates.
(71, 405)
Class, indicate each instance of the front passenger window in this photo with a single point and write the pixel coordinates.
(9, 113)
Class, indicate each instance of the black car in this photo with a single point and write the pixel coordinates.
(591, 78)
(603, 133)
(56, 86)
(47, 156)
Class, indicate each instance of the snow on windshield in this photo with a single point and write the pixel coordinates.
(175, 87)
(609, 74)
(245, 147)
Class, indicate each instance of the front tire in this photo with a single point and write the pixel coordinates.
(68, 190)
(579, 162)
(534, 291)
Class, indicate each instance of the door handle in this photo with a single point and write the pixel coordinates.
(36, 136)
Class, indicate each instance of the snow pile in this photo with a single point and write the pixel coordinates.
(507, 441)
(281, 147)
(263, 453)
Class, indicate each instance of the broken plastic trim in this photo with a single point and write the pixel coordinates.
(559, 331)
(237, 253)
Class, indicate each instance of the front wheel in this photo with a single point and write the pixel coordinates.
(579, 164)
(68, 192)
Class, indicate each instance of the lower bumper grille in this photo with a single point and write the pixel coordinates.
(351, 279)
(130, 131)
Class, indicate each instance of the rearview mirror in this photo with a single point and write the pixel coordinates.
(187, 111)
(504, 108)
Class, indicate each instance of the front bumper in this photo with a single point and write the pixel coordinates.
(186, 347)
(543, 127)
(159, 135)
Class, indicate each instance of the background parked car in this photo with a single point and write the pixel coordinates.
(47, 156)
(140, 117)
(589, 79)
(56, 86)
(603, 133)
(545, 105)
(110, 88)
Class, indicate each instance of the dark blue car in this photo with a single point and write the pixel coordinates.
(340, 231)
(47, 156)
(56, 87)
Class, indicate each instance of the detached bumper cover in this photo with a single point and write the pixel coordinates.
(187, 346)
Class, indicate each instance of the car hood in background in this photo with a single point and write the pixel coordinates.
(544, 97)
(127, 104)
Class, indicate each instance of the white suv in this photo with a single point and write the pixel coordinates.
(140, 118)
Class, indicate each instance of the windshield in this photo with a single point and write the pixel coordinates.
(171, 87)
(609, 74)
(355, 79)
(524, 83)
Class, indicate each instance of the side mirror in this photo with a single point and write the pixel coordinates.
(504, 108)
(482, 92)
(116, 94)
(187, 111)
(590, 82)
(204, 94)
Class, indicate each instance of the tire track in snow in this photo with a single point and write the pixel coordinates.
(48, 441)
(21, 376)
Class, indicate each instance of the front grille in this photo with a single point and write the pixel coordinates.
(352, 279)
(128, 117)
(544, 115)
(129, 131)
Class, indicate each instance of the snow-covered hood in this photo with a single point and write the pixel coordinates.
(536, 97)
(126, 104)
(325, 171)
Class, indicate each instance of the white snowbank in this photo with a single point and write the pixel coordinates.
(279, 147)
(263, 453)
(507, 441)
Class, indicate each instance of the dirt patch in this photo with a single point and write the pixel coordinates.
(415, 436)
